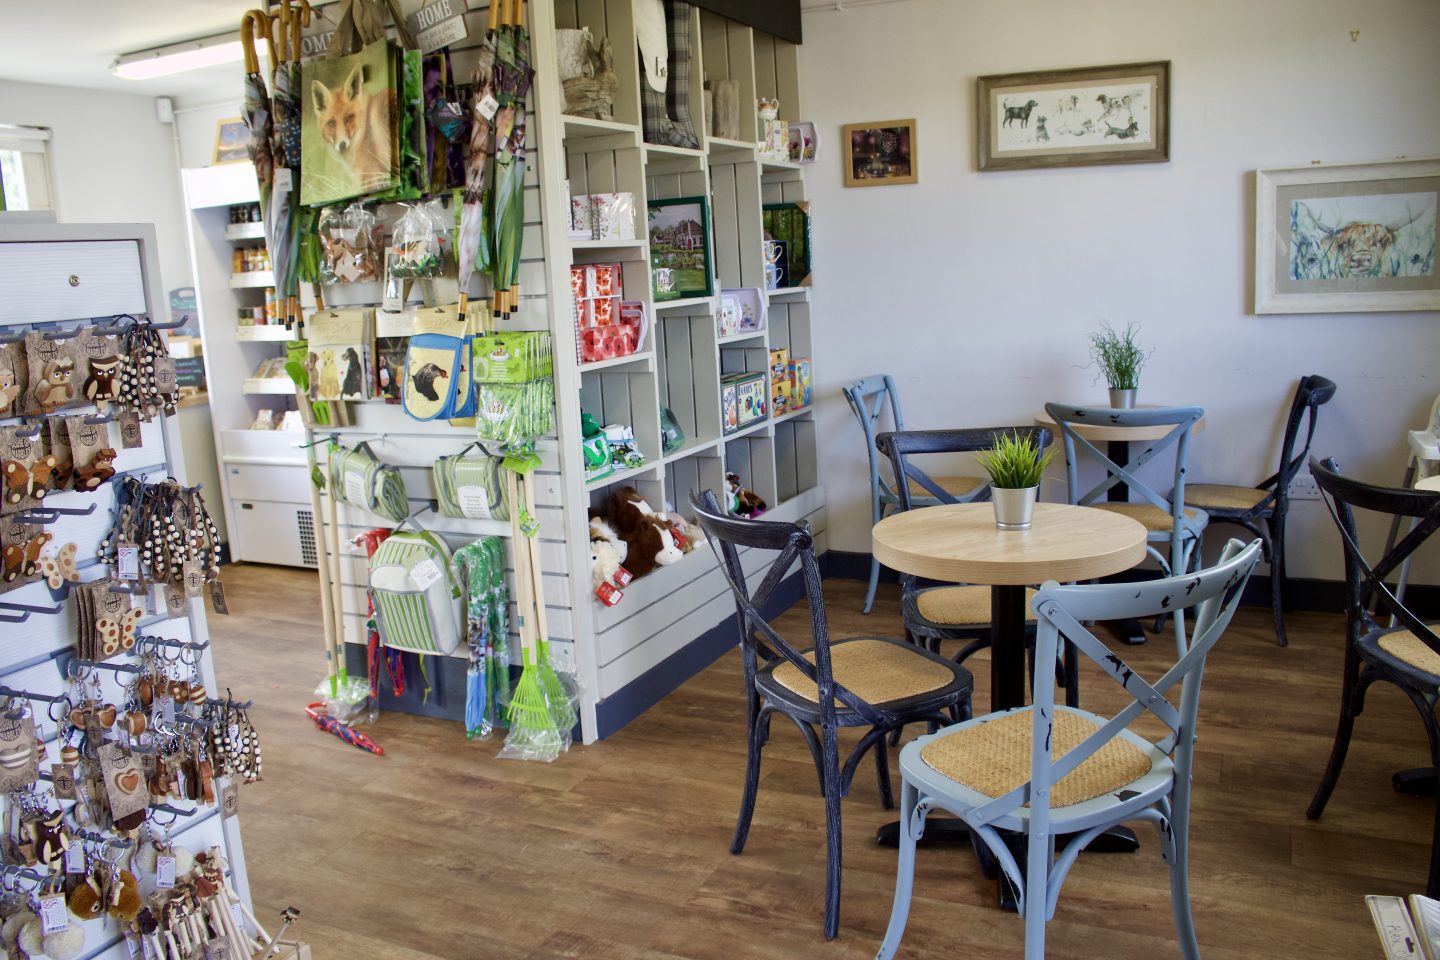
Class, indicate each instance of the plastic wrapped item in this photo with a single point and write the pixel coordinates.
(537, 730)
(514, 412)
(351, 703)
(415, 247)
(480, 567)
(352, 250)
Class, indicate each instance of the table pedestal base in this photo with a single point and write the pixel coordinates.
(1420, 781)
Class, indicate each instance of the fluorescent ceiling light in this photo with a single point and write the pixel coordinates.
(178, 58)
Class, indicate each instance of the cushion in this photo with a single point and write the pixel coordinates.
(955, 486)
(1154, 519)
(876, 671)
(1220, 496)
(1408, 648)
(992, 756)
(962, 606)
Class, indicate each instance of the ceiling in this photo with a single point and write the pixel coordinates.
(73, 42)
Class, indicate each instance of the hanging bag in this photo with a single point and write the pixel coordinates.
(360, 479)
(469, 486)
(415, 594)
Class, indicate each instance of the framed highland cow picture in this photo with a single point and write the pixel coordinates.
(1071, 118)
(1343, 238)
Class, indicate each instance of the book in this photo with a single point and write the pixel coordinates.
(1397, 932)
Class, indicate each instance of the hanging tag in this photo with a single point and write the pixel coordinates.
(229, 799)
(130, 435)
(474, 502)
(217, 598)
(622, 577)
(165, 381)
(62, 780)
(529, 525)
(124, 782)
(238, 917)
(132, 943)
(425, 572)
(218, 949)
(487, 107)
(151, 952)
(75, 858)
(177, 604)
(193, 577)
(53, 915)
(153, 602)
(127, 561)
(355, 489)
(164, 872)
(283, 179)
(163, 709)
(608, 594)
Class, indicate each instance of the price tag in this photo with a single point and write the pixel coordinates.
(132, 943)
(355, 489)
(151, 952)
(474, 502)
(163, 709)
(283, 179)
(164, 872)
(75, 858)
(238, 917)
(53, 915)
(127, 561)
(425, 572)
(487, 107)
(218, 949)
(229, 799)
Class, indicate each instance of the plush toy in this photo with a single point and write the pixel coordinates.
(604, 563)
(742, 502)
(125, 897)
(600, 529)
(653, 546)
(628, 511)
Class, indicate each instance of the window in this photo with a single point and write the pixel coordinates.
(24, 169)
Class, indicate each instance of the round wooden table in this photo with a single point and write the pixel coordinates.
(959, 543)
(1429, 483)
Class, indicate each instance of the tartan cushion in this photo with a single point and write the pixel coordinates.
(667, 115)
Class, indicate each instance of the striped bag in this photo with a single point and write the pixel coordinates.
(358, 478)
(470, 487)
(415, 594)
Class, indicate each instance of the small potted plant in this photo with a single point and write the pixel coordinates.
(1120, 358)
(1015, 464)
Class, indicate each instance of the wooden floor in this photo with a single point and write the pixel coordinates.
(620, 850)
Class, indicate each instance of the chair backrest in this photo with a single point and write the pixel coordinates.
(1310, 394)
(1064, 610)
(868, 398)
(1180, 419)
(1364, 581)
(758, 640)
(900, 445)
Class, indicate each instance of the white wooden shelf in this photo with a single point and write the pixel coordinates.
(688, 303)
(587, 128)
(252, 279)
(730, 151)
(666, 151)
(268, 386)
(621, 475)
(780, 166)
(608, 244)
(265, 333)
(792, 414)
(788, 293)
(245, 231)
(644, 360)
(689, 448)
(741, 337)
(747, 431)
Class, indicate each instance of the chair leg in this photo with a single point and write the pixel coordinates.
(1349, 692)
(759, 731)
(882, 774)
(1279, 583)
(833, 788)
(904, 872)
(1037, 876)
(874, 584)
(1180, 875)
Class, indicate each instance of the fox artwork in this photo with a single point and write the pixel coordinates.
(347, 132)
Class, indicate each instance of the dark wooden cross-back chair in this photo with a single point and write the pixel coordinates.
(934, 614)
(873, 682)
(1268, 501)
(1407, 655)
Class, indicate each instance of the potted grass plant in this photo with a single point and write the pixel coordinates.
(1015, 464)
(1118, 354)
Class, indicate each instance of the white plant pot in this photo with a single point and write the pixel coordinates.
(1014, 508)
(1122, 399)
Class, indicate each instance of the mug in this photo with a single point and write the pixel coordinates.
(664, 279)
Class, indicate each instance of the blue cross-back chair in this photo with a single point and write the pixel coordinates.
(1000, 772)
(1407, 655)
(873, 682)
(1268, 502)
(1167, 519)
(869, 397)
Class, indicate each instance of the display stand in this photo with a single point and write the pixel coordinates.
(56, 275)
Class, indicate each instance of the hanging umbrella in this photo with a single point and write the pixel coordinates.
(514, 76)
(256, 109)
(282, 216)
(287, 115)
(472, 210)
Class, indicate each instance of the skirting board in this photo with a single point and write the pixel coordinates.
(1319, 596)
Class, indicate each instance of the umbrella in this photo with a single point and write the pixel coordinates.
(256, 108)
(472, 210)
(513, 79)
(282, 217)
(344, 731)
(287, 118)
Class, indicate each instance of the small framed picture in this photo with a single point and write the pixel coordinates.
(680, 248)
(232, 138)
(880, 153)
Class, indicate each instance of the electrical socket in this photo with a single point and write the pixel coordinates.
(1304, 487)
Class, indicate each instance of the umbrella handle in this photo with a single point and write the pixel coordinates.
(280, 30)
(517, 17)
(495, 6)
(252, 25)
(297, 20)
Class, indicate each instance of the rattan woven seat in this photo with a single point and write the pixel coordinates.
(1221, 496)
(962, 606)
(991, 756)
(955, 486)
(1410, 649)
(1154, 519)
(877, 671)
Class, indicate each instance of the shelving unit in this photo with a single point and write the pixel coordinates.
(663, 630)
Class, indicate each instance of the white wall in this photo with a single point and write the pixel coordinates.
(993, 280)
(112, 161)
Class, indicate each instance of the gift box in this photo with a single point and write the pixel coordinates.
(779, 361)
(621, 336)
(742, 401)
(612, 216)
(798, 370)
(727, 315)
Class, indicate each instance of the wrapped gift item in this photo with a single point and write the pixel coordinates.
(620, 338)
(513, 356)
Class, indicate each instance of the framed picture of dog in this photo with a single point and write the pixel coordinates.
(881, 153)
(1071, 118)
(1342, 238)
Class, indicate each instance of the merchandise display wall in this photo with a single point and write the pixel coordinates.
(977, 290)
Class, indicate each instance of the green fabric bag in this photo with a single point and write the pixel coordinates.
(415, 594)
(358, 478)
(470, 487)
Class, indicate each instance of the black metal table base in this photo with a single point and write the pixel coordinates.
(1420, 781)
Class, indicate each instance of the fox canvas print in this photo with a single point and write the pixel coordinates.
(347, 127)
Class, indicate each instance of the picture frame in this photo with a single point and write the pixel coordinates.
(1075, 117)
(232, 140)
(680, 257)
(883, 153)
(1347, 238)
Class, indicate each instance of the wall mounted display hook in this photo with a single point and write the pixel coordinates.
(63, 334)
